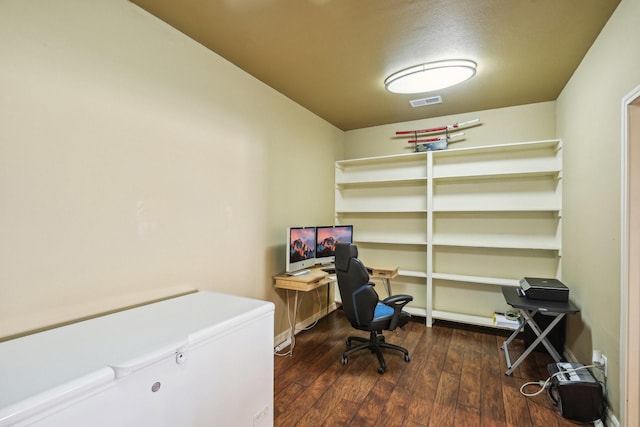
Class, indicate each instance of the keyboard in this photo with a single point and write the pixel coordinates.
(299, 273)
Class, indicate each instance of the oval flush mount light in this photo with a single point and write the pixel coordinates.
(430, 76)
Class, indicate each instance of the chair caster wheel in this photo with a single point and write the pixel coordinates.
(381, 370)
(344, 360)
(407, 358)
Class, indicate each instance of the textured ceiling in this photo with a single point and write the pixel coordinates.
(332, 56)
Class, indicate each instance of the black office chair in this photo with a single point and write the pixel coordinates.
(362, 307)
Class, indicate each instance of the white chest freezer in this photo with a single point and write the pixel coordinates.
(203, 359)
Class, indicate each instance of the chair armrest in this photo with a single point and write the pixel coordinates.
(397, 302)
(393, 300)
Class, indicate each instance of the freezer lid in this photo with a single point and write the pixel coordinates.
(127, 341)
(16, 406)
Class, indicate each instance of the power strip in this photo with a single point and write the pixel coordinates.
(284, 344)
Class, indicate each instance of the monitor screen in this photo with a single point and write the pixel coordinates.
(301, 248)
(326, 239)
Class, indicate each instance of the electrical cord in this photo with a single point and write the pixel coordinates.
(545, 384)
(293, 338)
(319, 311)
(291, 326)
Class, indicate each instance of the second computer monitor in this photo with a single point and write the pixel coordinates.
(326, 239)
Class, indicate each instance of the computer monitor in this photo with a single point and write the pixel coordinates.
(326, 239)
(301, 248)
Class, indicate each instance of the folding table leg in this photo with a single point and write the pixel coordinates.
(505, 345)
(542, 335)
(542, 338)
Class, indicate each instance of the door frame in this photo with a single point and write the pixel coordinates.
(630, 252)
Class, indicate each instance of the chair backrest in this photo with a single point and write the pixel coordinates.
(359, 299)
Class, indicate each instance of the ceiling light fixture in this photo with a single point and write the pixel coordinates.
(430, 76)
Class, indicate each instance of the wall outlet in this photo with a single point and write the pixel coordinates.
(600, 360)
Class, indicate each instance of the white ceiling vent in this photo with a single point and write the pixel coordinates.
(426, 101)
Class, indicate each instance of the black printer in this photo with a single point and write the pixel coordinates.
(544, 289)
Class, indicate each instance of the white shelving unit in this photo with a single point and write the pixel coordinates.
(459, 223)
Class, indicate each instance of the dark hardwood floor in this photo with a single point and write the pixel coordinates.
(456, 377)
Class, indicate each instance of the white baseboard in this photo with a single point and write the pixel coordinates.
(280, 339)
(611, 420)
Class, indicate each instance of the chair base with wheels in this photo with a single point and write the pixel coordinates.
(375, 344)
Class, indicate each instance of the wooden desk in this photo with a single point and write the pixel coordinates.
(384, 273)
(305, 283)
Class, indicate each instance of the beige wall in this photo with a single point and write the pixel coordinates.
(135, 163)
(521, 123)
(589, 122)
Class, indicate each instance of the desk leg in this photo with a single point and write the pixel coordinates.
(542, 338)
(387, 285)
(292, 332)
(329, 288)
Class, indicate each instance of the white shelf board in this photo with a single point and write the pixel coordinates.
(463, 318)
(488, 208)
(471, 209)
(548, 143)
(391, 241)
(500, 175)
(467, 319)
(372, 182)
(477, 279)
(381, 159)
(412, 273)
(498, 245)
(371, 211)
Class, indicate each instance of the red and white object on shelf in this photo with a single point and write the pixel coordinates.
(439, 142)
